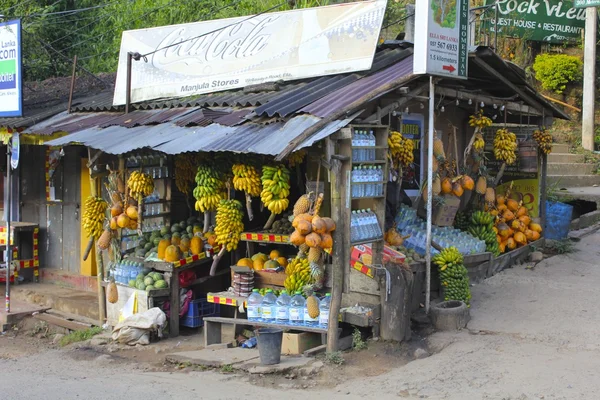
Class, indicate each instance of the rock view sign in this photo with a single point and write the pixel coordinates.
(442, 37)
(10, 69)
(552, 21)
(232, 53)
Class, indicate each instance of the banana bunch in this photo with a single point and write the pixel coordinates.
(401, 148)
(479, 120)
(140, 184)
(543, 139)
(298, 265)
(185, 171)
(478, 143)
(297, 281)
(276, 188)
(454, 276)
(247, 179)
(482, 227)
(296, 158)
(229, 224)
(209, 190)
(93, 216)
(505, 146)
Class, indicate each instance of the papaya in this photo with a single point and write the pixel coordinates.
(172, 254)
(162, 247)
(196, 245)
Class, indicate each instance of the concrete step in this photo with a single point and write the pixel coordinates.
(571, 169)
(560, 148)
(66, 300)
(574, 181)
(565, 158)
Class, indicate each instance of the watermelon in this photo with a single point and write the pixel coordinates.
(142, 243)
(132, 283)
(167, 236)
(161, 284)
(148, 246)
(156, 241)
(140, 285)
(149, 288)
(175, 228)
(156, 276)
(190, 229)
(148, 280)
(164, 230)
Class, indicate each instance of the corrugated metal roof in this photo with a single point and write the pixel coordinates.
(347, 95)
(172, 139)
(32, 116)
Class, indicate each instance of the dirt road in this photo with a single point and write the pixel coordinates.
(533, 335)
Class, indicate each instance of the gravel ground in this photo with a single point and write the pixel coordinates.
(533, 335)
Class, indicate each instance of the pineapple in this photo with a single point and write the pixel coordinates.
(312, 306)
(112, 294)
(436, 186)
(490, 195)
(314, 254)
(481, 185)
(104, 240)
(302, 205)
(438, 149)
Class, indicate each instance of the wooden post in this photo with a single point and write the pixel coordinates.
(99, 262)
(338, 250)
(396, 306)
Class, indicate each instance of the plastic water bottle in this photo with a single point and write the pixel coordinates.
(380, 178)
(324, 307)
(362, 143)
(267, 307)
(375, 224)
(361, 179)
(282, 308)
(297, 305)
(355, 143)
(253, 303)
(372, 142)
(308, 321)
(353, 227)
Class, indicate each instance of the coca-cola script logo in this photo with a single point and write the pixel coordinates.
(239, 41)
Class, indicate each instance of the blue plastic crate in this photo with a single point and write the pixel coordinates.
(199, 309)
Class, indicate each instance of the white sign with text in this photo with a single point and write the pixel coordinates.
(226, 54)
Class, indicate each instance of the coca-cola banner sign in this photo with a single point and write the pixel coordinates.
(212, 56)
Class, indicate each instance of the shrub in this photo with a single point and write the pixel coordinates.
(555, 71)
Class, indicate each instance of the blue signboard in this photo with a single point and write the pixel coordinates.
(11, 94)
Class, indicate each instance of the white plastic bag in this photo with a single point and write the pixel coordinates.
(129, 308)
(136, 328)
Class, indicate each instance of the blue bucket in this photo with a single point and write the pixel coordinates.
(558, 220)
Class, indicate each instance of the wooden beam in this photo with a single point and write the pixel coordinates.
(355, 105)
(562, 103)
(508, 83)
(397, 104)
(510, 105)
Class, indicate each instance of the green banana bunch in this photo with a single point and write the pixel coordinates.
(276, 188)
(454, 277)
(210, 189)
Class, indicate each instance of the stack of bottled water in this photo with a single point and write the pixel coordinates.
(407, 223)
(362, 139)
(364, 226)
(285, 309)
(367, 181)
(127, 270)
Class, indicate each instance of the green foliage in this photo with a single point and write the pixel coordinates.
(555, 71)
(444, 12)
(80, 336)
(357, 341)
(335, 358)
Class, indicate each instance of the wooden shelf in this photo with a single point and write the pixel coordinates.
(156, 202)
(239, 321)
(367, 241)
(164, 214)
(382, 162)
(367, 183)
(368, 197)
(369, 147)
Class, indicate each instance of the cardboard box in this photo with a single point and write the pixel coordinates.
(389, 254)
(444, 214)
(298, 343)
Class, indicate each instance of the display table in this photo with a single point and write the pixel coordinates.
(25, 254)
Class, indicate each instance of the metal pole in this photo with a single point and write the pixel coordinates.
(496, 27)
(128, 86)
(8, 256)
(589, 77)
(429, 193)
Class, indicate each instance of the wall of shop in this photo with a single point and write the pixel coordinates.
(59, 221)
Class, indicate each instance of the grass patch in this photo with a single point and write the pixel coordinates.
(80, 336)
(564, 246)
(227, 369)
(335, 358)
(357, 341)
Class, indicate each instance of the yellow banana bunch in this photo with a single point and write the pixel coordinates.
(140, 184)
(210, 189)
(276, 188)
(247, 179)
(479, 120)
(229, 224)
(401, 149)
(449, 255)
(544, 140)
(505, 146)
(185, 171)
(297, 281)
(478, 143)
(298, 264)
(296, 158)
(93, 216)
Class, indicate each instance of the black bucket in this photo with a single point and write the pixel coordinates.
(269, 345)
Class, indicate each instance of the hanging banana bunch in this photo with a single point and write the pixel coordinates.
(276, 189)
(247, 179)
(543, 139)
(478, 120)
(140, 184)
(401, 149)
(505, 146)
(185, 171)
(296, 158)
(93, 216)
(228, 229)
